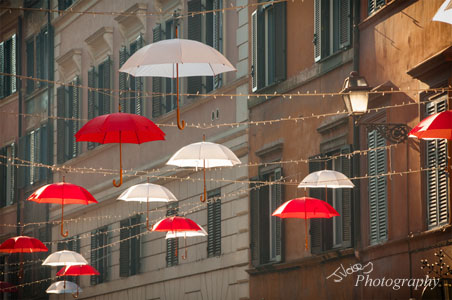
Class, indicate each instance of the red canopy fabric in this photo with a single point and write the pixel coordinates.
(119, 128)
(176, 223)
(305, 208)
(437, 126)
(22, 244)
(62, 193)
(77, 270)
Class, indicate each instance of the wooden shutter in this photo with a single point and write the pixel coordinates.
(106, 78)
(39, 59)
(172, 245)
(3, 177)
(124, 250)
(7, 68)
(257, 50)
(346, 169)
(2, 70)
(214, 223)
(317, 30)
(209, 40)
(157, 81)
(139, 110)
(123, 55)
(279, 10)
(94, 261)
(194, 83)
(13, 64)
(254, 223)
(76, 101)
(217, 37)
(437, 179)
(61, 103)
(135, 245)
(277, 224)
(345, 22)
(30, 64)
(316, 228)
(92, 111)
(43, 150)
(12, 175)
(374, 5)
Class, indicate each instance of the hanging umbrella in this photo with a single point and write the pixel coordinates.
(62, 193)
(176, 58)
(22, 244)
(6, 287)
(184, 234)
(147, 192)
(204, 155)
(119, 128)
(177, 225)
(305, 208)
(64, 258)
(326, 178)
(437, 126)
(444, 13)
(60, 287)
(77, 270)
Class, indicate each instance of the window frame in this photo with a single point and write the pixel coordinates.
(130, 240)
(99, 248)
(7, 175)
(8, 84)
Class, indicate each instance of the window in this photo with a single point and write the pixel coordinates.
(68, 106)
(38, 53)
(163, 104)
(130, 246)
(374, 5)
(208, 29)
(172, 245)
(100, 254)
(332, 233)
(268, 52)
(437, 179)
(214, 223)
(65, 4)
(7, 172)
(332, 27)
(72, 244)
(132, 102)
(378, 195)
(99, 101)
(8, 61)
(266, 231)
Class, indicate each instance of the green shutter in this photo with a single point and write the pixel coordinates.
(106, 78)
(218, 36)
(22, 171)
(346, 215)
(123, 55)
(279, 10)
(209, 40)
(76, 115)
(254, 223)
(317, 30)
(257, 49)
(2, 70)
(194, 83)
(157, 81)
(94, 261)
(276, 222)
(92, 111)
(214, 223)
(7, 68)
(124, 251)
(30, 64)
(139, 81)
(316, 225)
(61, 103)
(172, 245)
(12, 175)
(43, 148)
(345, 23)
(135, 245)
(39, 59)
(13, 64)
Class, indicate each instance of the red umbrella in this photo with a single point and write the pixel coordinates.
(177, 224)
(119, 128)
(22, 244)
(62, 193)
(77, 270)
(305, 208)
(437, 126)
(6, 287)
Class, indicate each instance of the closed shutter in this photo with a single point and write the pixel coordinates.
(39, 59)
(209, 39)
(316, 225)
(346, 215)
(344, 23)
(277, 224)
(2, 70)
(94, 261)
(30, 64)
(157, 81)
(254, 223)
(218, 37)
(92, 107)
(214, 223)
(123, 96)
(377, 188)
(61, 103)
(106, 78)
(437, 179)
(43, 148)
(75, 115)
(7, 68)
(172, 245)
(317, 30)
(135, 245)
(374, 5)
(35, 149)
(13, 64)
(124, 251)
(257, 50)
(3, 177)
(12, 175)
(280, 41)
(139, 110)
(22, 171)
(194, 83)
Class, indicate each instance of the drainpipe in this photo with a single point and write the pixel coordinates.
(19, 119)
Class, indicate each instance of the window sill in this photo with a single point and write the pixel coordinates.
(8, 99)
(384, 12)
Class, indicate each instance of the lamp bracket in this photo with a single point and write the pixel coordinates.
(395, 133)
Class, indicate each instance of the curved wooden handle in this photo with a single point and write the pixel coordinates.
(120, 168)
(62, 219)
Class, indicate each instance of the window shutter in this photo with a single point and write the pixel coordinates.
(12, 174)
(257, 49)
(344, 23)
(76, 115)
(30, 64)
(94, 262)
(123, 55)
(139, 81)
(346, 169)
(106, 84)
(61, 103)
(209, 39)
(135, 245)
(7, 68)
(124, 249)
(217, 37)
(2, 70)
(280, 41)
(22, 171)
(254, 223)
(194, 83)
(317, 30)
(157, 81)
(214, 223)
(316, 228)
(42, 149)
(374, 5)
(35, 148)
(91, 100)
(172, 245)
(39, 56)
(3, 181)
(13, 64)
(277, 224)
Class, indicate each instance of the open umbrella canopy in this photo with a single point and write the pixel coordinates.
(326, 178)
(77, 270)
(444, 13)
(175, 224)
(194, 59)
(119, 128)
(63, 287)
(62, 193)
(184, 234)
(64, 258)
(6, 287)
(147, 192)
(22, 244)
(437, 126)
(305, 208)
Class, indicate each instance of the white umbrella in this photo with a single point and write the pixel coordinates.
(177, 57)
(64, 258)
(59, 288)
(204, 155)
(444, 13)
(147, 192)
(184, 234)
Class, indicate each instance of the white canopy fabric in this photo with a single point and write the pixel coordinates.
(64, 258)
(444, 13)
(147, 191)
(193, 58)
(197, 154)
(326, 178)
(176, 234)
(58, 288)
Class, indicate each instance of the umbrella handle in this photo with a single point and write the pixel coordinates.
(62, 218)
(76, 294)
(147, 216)
(180, 125)
(203, 199)
(185, 246)
(120, 167)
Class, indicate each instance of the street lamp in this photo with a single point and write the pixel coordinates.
(355, 93)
